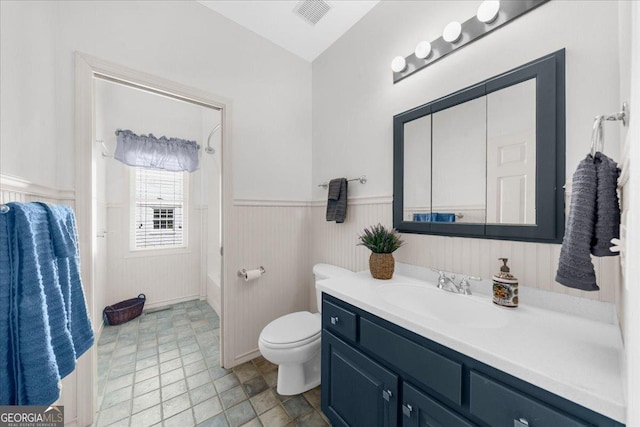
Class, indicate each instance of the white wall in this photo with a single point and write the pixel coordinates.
(179, 40)
(354, 100)
(27, 91)
(164, 276)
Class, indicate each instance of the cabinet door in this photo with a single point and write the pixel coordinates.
(356, 391)
(421, 410)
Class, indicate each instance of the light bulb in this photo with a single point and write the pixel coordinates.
(398, 64)
(452, 32)
(488, 11)
(423, 50)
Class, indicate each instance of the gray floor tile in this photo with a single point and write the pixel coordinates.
(174, 390)
(188, 359)
(297, 406)
(207, 409)
(226, 382)
(147, 362)
(118, 371)
(113, 414)
(169, 355)
(171, 345)
(171, 377)
(144, 387)
(313, 397)
(183, 419)
(170, 365)
(118, 383)
(240, 414)
(232, 397)
(202, 393)
(165, 368)
(117, 396)
(264, 401)
(199, 379)
(275, 417)
(146, 352)
(219, 420)
(147, 373)
(175, 405)
(147, 417)
(145, 401)
(217, 371)
(194, 368)
(255, 385)
(124, 360)
(312, 419)
(246, 371)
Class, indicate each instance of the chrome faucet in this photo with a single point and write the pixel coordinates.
(447, 283)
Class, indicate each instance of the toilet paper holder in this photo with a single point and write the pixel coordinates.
(243, 272)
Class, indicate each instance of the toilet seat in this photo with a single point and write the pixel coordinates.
(292, 330)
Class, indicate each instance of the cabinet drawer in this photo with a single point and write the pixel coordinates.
(440, 374)
(420, 410)
(499, 405)
(339, 320)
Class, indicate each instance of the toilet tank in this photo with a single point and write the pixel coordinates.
(326, 271)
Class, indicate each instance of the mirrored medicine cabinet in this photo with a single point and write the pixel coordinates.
(487, 161)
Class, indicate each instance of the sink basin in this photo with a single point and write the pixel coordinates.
(432, 303)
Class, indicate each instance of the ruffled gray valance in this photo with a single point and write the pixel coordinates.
(147, 151)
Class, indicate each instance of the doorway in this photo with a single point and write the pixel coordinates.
(182, 282)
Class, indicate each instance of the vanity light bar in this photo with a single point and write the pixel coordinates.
(470, 30)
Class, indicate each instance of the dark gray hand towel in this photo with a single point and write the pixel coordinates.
(575, 269)
(337, 200)
(608, 212)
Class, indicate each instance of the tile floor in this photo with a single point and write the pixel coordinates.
(163, 369)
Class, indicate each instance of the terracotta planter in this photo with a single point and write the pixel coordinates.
(381, 266)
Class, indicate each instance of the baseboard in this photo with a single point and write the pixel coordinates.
(245, 357)
(172, 301)
(71, 423)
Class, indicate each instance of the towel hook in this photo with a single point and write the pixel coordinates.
(4, 208)
(597, 134)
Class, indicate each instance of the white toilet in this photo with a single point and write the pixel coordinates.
(293, 341)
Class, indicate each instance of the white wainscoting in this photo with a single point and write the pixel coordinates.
(277, 238)
(534, 264)
(164, 276)
(14, 189)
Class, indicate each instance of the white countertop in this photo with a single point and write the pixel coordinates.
(574, 357)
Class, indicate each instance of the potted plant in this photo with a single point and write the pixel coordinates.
(382, 242)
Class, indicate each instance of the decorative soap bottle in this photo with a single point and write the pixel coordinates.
(505, 287)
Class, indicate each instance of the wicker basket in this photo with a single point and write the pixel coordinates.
(124, 311)
(381, 266)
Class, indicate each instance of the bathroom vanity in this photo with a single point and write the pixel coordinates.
(404, 353)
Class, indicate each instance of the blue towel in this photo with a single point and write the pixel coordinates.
(62, 226)
(7, 392)
(434, 217)
(37, 347)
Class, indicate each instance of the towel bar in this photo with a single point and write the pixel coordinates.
(362, 179)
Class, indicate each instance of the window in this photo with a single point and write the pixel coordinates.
(159, 209)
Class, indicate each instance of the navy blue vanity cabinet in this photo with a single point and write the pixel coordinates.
(376, 373)
(356, 391)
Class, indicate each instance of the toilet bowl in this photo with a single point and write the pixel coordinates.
(293, 341)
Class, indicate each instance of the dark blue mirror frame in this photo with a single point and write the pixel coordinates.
(549, 72)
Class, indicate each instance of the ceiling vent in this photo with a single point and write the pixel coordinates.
(311, 10)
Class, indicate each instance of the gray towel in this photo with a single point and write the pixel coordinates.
(608, 213)
(592, 222)
(337, 200)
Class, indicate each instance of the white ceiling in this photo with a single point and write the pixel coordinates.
(276, 21)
